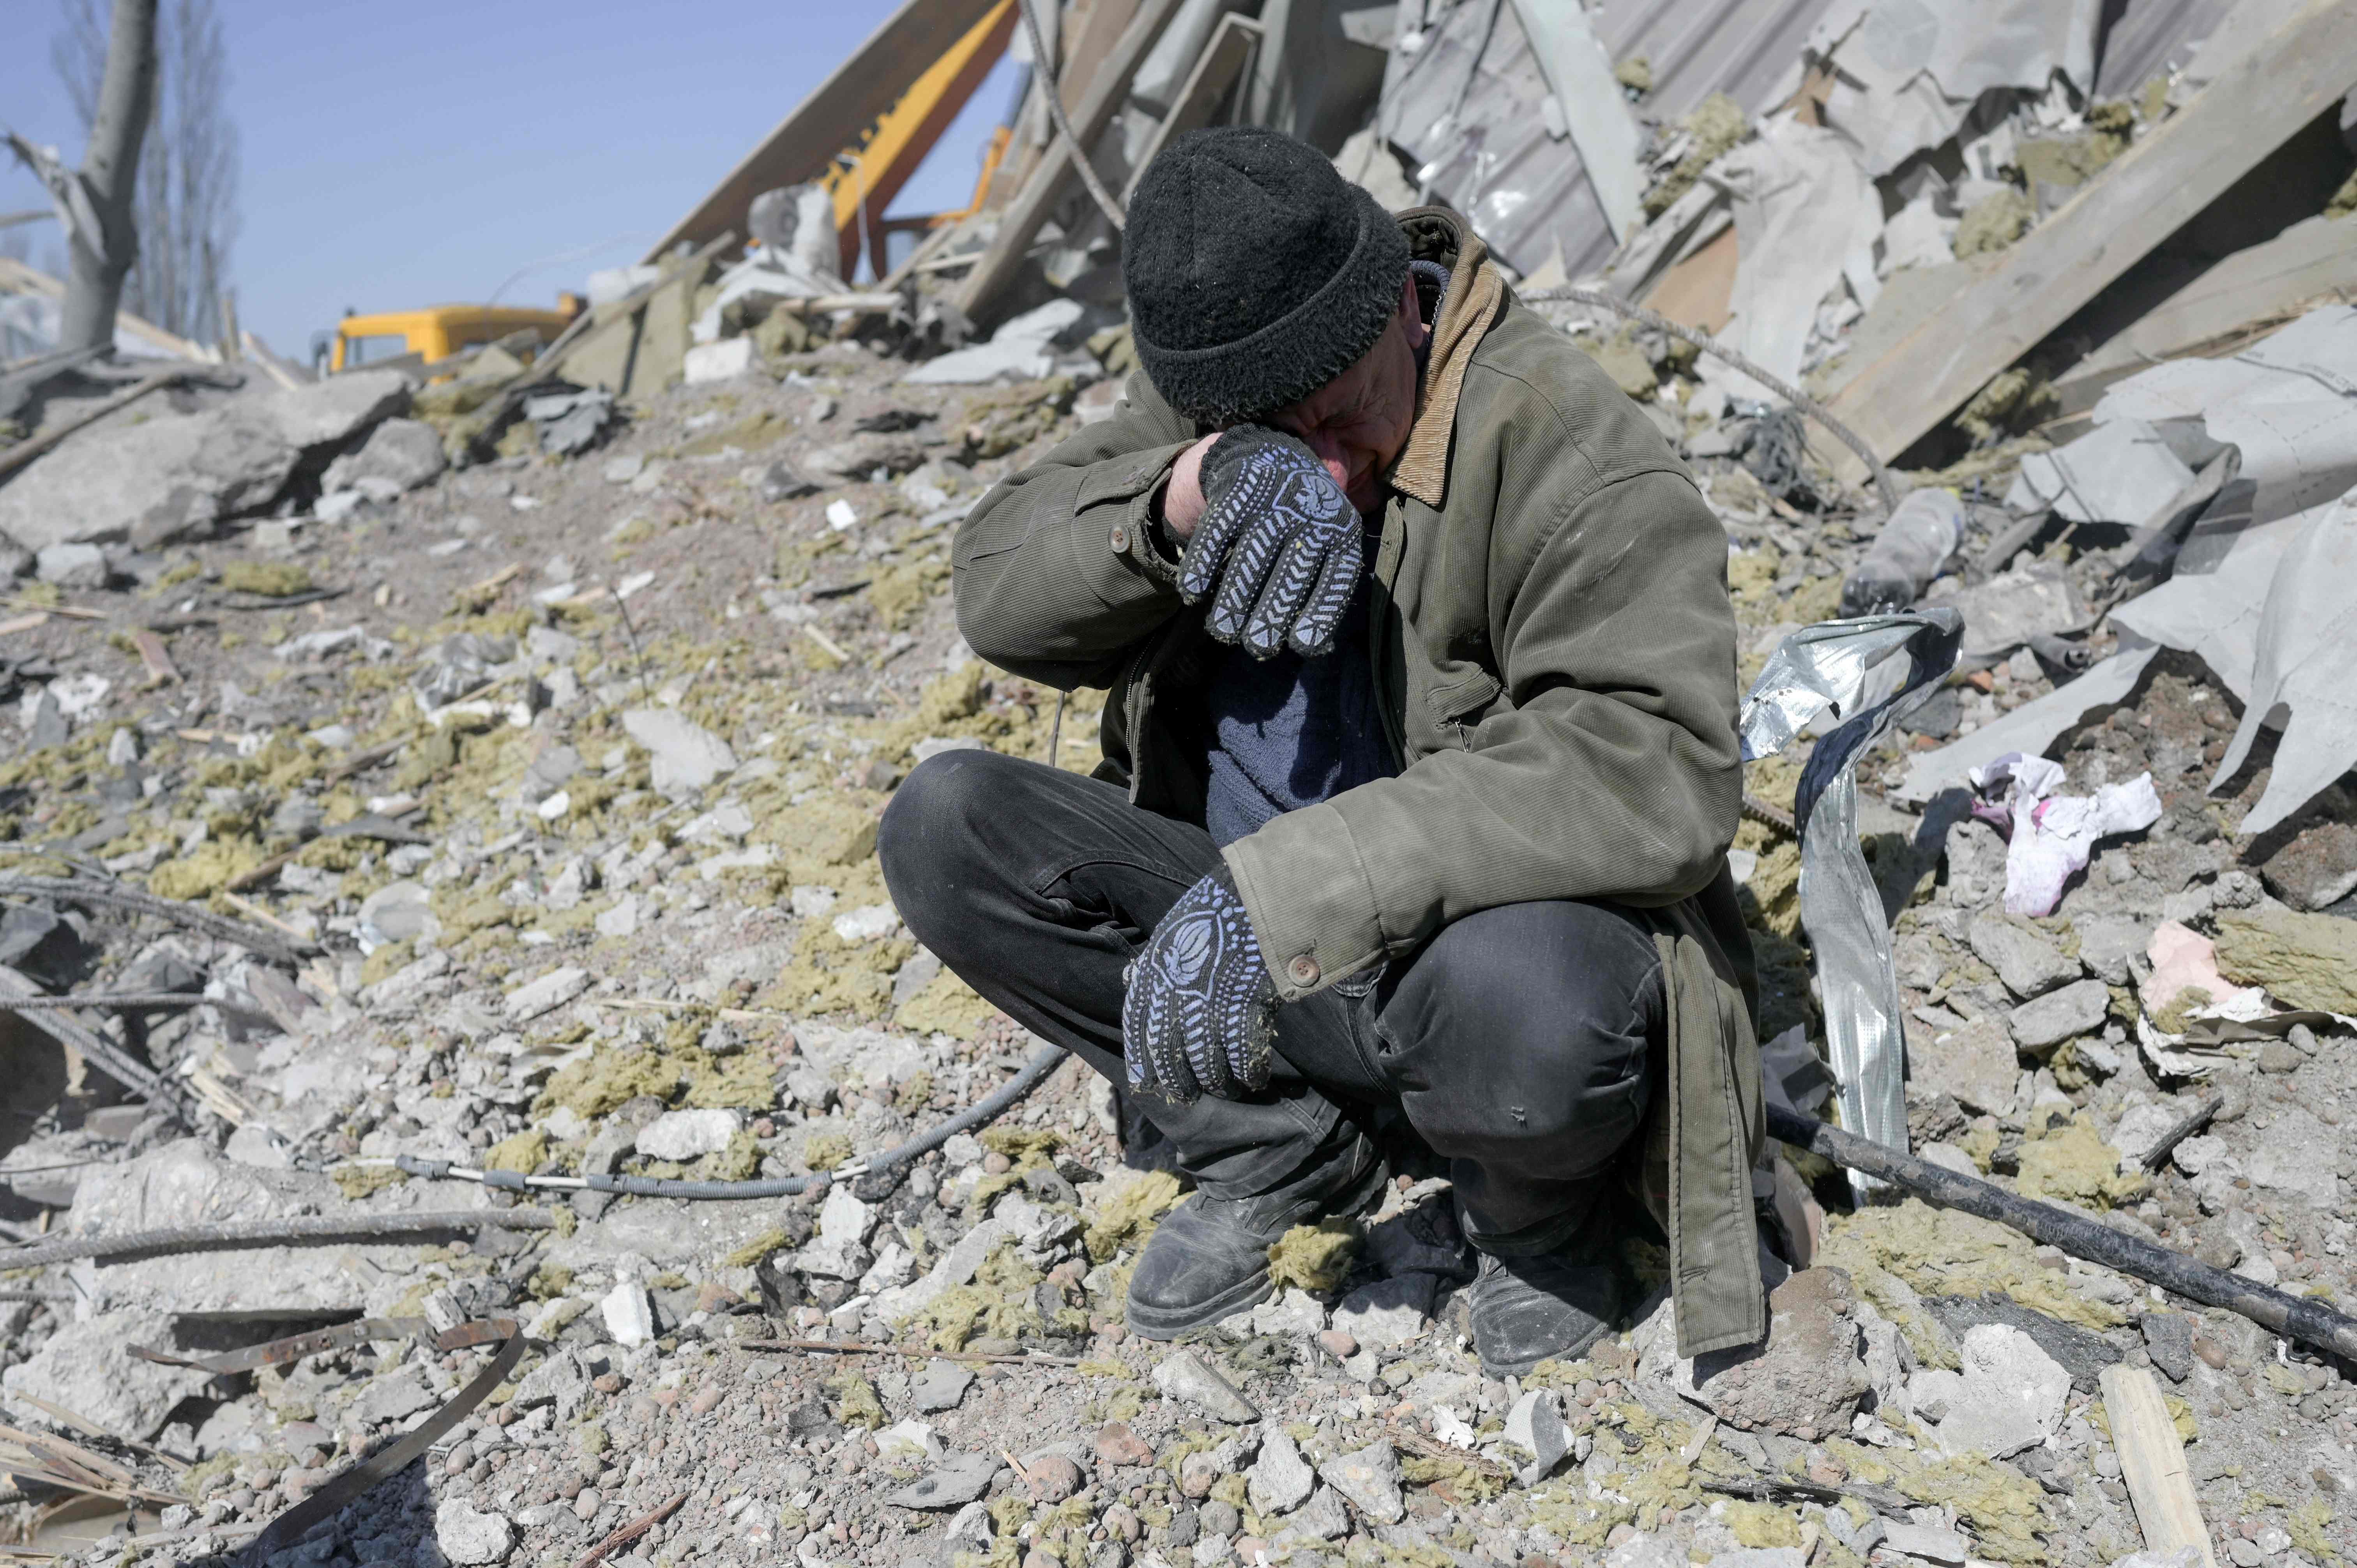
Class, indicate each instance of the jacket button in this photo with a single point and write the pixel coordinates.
(1303, 970)
(1120, 537)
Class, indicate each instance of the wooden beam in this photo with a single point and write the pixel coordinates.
(16, 277)
(1092, 43)
(1019, 225)
(24, 452)
(862, 89)
(2150, 192)
(2243, 294)
(1223, 59)
(2152, 1464)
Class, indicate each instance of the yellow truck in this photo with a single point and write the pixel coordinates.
(438, 331)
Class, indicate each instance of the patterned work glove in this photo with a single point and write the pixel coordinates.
(1278, 550)
(1201, 1009)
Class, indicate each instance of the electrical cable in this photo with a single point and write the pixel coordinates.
(1044, 75)
(241, 1233)
(86, 890)
(1709, 345)
(129, 1001)
(1033, 1074)
(2294, 1317)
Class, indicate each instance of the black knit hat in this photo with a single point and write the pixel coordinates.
(1256, 272)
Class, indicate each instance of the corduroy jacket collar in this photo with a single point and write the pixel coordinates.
(1475, 296)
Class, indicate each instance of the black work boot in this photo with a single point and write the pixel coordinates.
(1551, 1306)
(1209, 1258)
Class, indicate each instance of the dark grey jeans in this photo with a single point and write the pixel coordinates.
(1516, 1042)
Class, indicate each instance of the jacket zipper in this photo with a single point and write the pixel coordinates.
(1395, 527)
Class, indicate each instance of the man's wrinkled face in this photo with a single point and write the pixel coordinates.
(1358, 423)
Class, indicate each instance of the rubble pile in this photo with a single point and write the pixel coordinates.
(471, 781)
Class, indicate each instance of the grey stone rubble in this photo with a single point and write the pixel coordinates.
(648, 849)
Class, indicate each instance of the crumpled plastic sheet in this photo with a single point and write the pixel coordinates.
(1827, 669)
(2049, 837)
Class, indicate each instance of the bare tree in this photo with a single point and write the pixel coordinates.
(186, 211)
(94, 202)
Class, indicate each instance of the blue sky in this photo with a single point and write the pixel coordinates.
(399, 156)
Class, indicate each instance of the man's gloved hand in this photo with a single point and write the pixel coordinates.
(1278, 550)
(1200, 1011)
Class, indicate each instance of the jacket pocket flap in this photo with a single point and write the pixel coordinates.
(1458, 698)
(1120, 480)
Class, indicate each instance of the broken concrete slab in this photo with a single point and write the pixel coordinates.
(941, 1386)
(2024, 957)
(1280, 1479)
(1535, 1424)
(2078, 1351)
(171, 476)
(684, 1136)
(87, 1368)
(1976, 1063)
(405, 453)
(1369, 1479)
(2300, 1155)
(629, 1317)
(2059, 1015)
(186, 1183)
(960, 1478)
(686, 757)
(1189, 1379)
(2168, 1340)
(2008, 1396)
(1388, 1312)
(546, 994)
(470, 1538)
(399, 1393)
(73, 566)
(720, 362)
(1022, 350)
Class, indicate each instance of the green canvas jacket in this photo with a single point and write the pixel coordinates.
(1554, 650)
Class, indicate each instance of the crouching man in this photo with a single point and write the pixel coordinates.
(1420, 767)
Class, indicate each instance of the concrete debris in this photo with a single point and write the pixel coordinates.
(629, 1320)
(684, 1136)
(1389, 1312)
(1023, 349)
(467, 1536)
(404, 453)
(939, 1387)
(1536, 1425)
(957, 1480)
(569, 789)
(2029, 963)
(1185, 1376)
(73, 566)
(1369, 1480)
(176, 477)
(570, 423)
(2008, 1395)
(87, 1368)
(1280, 1480)
(685, 756)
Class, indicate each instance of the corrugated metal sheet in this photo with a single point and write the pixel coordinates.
(1748, 49)
(1468, 104)
(2148, 36)
(1493, 157)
